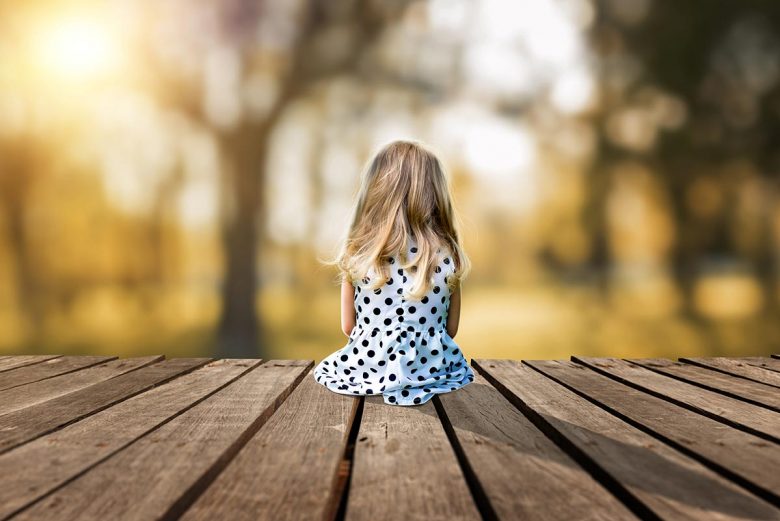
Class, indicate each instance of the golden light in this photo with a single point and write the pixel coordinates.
(76, 48)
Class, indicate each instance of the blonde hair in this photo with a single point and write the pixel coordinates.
(404, 196)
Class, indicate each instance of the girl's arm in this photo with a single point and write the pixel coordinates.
(347, 307)
(453, 315)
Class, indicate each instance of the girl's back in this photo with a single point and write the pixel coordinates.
(399, 345)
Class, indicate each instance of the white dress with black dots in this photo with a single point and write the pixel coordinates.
(399, 348)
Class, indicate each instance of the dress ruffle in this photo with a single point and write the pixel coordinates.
(406, 364)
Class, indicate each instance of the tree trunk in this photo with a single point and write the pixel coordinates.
(238, 334)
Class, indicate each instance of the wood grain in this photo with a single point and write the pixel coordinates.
(37, 392)
(741, 455)
(645, 472)
(765, 362)
(299, 451)
(13, 362)
(178, 460)
(751, 418)
(405, 468)
(522, 473)
(34, 469)
(48, 369)
(27, 424)
(741, 388)
(737, 368)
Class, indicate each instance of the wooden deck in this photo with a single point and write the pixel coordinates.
(86, 437)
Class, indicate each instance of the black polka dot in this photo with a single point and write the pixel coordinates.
(391, 377)
(404, 393)
(370, 353)
(344, 358)
(417, 400)
(389, 301)
(366, 300)
(436, 289)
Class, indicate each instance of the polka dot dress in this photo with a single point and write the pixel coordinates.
(399, 348)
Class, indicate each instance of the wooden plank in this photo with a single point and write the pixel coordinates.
(521, 473)
(741, 456)
(37, 392)
(49, 369)
(158, 476)
(33, 470)
(299, 451)
(14, 362)
(736, 368)
(751, 418)
(27, 424)
(405, 468)
(745, 390)
(651, 477)
(765, 362)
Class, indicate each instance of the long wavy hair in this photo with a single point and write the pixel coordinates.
(404, 198)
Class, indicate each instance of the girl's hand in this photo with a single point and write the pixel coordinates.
(348, 317)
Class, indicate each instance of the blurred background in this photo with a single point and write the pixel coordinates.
(170, 171)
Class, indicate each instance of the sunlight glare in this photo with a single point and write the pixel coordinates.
(76, 47)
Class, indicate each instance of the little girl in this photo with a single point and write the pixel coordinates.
(401, 266)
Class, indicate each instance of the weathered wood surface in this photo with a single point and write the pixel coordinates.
(752, 418)
(402, 462)
(752, 460)
(37, 468)
(48, 369)
(746, 390)
(651, 477)
(37, 392)
(737, 367)
(27, 424)
(502, 446)
(591, 438)
(290, 469)
(179, 459)
(12, 362)
(761, 361)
